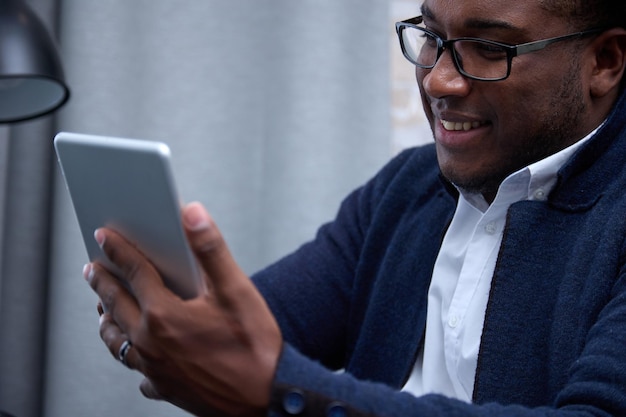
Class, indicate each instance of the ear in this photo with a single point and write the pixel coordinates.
(609, 61)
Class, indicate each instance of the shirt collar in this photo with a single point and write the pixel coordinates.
(534, 182)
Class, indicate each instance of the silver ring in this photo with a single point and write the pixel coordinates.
(121, 355)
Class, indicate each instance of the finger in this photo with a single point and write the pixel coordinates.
(137, 272)
(114, 338)
(149, 391)
(114, 298)
(209, 246)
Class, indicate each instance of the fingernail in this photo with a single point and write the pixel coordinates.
(88, 272)
(195, 217)
(99, 236)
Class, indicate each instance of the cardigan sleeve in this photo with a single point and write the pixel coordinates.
(311, 290)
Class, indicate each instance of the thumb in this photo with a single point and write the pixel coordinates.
(211, 250)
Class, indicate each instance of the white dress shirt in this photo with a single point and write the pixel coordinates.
(461, 281)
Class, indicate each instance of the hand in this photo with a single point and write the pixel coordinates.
(215, 353)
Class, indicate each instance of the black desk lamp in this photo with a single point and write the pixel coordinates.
(32, 83)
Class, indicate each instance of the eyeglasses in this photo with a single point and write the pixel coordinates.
(477, 59)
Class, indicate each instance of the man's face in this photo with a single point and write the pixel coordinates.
(540, 109)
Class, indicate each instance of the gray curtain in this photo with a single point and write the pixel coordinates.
(274, 110)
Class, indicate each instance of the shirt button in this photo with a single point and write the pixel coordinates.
(293, 402)
(336, 410)
(491, 228)
(453, 321)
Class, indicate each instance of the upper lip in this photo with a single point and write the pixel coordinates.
(456, 117)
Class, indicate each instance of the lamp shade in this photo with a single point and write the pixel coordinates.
(32, 83)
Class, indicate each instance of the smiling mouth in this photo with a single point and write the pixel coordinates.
(460, 126)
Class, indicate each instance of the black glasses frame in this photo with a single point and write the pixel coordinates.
(511, 50)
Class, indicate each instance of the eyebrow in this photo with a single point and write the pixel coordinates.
(474, 23)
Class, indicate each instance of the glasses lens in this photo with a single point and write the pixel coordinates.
(419, 47)
(478, 59)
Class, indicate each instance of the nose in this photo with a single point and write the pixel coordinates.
(444, 79)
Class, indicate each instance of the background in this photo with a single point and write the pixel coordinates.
(274, 110)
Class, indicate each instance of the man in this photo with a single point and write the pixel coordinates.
(484, 275)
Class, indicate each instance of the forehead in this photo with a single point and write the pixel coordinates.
(527, 16)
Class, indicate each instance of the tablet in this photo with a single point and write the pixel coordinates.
(128, 185)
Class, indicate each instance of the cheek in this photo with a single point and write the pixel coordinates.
(514, 110)
(532, 91)
(419, 78)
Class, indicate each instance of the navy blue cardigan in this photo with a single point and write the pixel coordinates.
(554, 338)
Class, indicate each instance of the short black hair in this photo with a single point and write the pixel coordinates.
(587, 14)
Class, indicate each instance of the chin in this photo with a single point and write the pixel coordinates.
(485, 183)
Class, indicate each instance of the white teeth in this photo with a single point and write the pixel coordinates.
(447, 125)
(459, 126)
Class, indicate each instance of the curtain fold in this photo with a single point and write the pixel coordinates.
(273, 109)
(27, 192)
